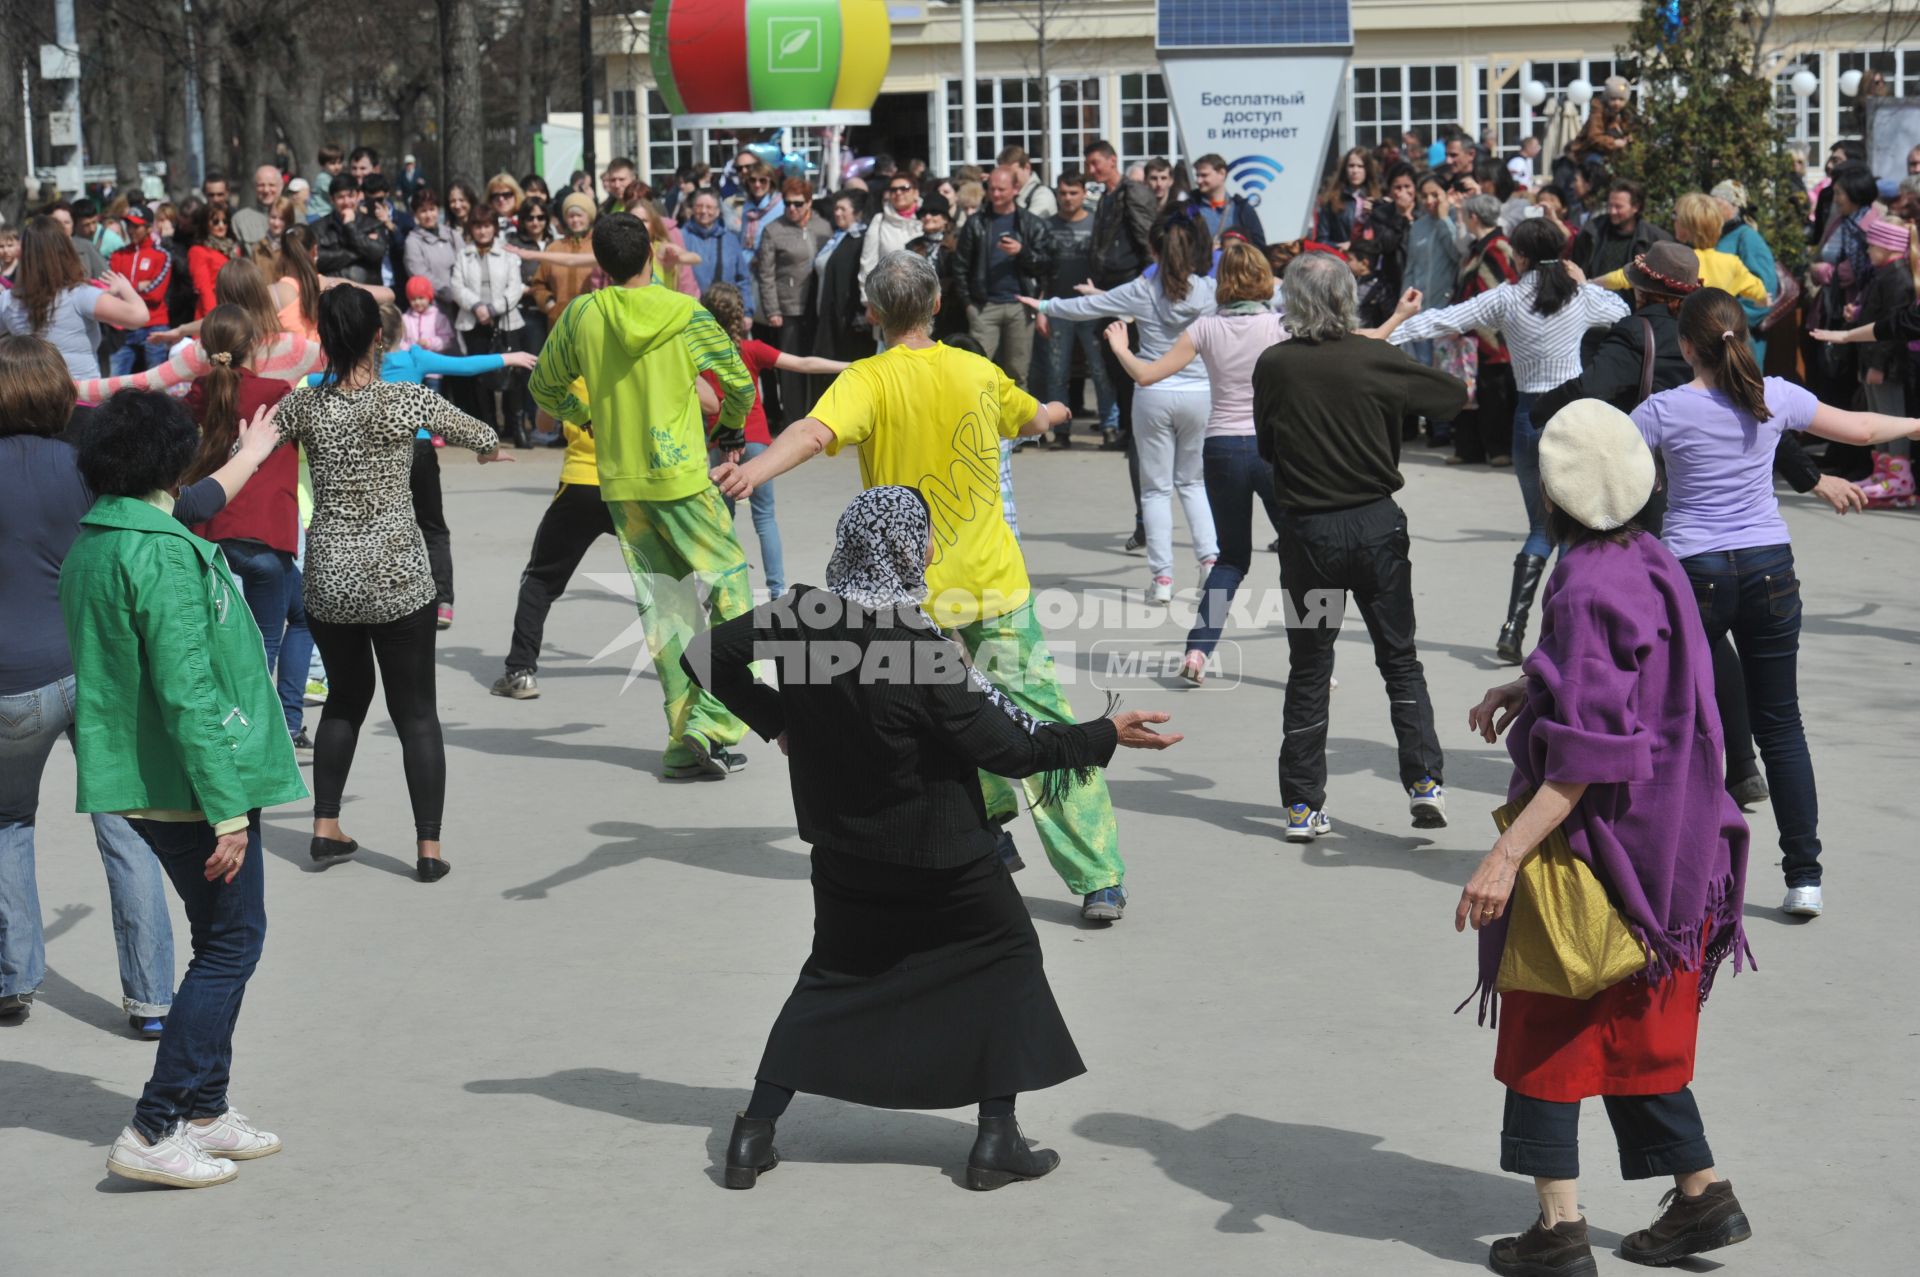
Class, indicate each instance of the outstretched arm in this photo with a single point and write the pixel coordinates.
(1866, 428)
(798, 443)
(1143, 373)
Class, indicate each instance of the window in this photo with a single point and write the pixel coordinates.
(1390, 100)
(1006, 113)
(1078, 104)
(1890, 72)
(1797, 117)
(623, 121)
(668, 149)
(1146, 119)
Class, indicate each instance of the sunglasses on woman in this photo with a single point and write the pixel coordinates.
(500, 195)
(899, 190)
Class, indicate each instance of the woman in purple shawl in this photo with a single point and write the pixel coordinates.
(1616, 736)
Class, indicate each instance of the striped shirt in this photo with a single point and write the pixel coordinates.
(1545, 348)
(290, 357)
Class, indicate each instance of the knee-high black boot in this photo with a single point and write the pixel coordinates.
(1527, 570)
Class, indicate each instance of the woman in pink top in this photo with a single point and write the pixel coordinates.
(1229, 341)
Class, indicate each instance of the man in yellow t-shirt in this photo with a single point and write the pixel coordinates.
(931, 418)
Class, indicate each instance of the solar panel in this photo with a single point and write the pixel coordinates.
(1220, 24)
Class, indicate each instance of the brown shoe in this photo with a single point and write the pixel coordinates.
(1688, 1226)
(1560, 1251)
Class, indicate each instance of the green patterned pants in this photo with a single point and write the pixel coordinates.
(667, 546)
(1080, 835)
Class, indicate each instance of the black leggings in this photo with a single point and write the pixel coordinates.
(770, 1100)
(403, 649)
(430, 513)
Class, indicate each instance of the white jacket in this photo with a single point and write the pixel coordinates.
(885, 234)
(498, 287)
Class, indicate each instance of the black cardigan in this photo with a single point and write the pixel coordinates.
(886, 733)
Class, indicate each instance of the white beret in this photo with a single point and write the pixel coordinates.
(1595, 465)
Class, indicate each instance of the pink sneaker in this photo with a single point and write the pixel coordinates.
(173, 1159)
(444, 619)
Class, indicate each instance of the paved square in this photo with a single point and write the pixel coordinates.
(531, 1066)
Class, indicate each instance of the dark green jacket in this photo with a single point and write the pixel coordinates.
(174, 708)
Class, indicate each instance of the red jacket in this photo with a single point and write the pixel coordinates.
(267, 509)
(149, 268)
(204, 265)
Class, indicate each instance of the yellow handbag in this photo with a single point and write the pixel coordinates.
(1564, 935)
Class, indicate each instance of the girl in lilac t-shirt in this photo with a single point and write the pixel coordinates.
(1717, 434)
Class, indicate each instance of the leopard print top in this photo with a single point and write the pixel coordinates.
(366, 561)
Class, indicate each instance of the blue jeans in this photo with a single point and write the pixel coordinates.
(1754, 595)
(120, 362)
(1057, 364)
(765, 527)
(1526, 468)
(1236, 476)
(229, 923)
(29, 723)
(268, 580)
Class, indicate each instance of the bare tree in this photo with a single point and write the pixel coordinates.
(14, 179)
(1054, 45)
(461, 123)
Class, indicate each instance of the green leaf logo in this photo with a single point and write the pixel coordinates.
(794, 42)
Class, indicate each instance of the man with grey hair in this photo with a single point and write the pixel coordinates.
(1327, 412)
(929, 417)
(1001, 255)
(250, 224)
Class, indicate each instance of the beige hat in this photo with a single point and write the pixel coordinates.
(1733, 193)
(1616, 89)
(1595, 465)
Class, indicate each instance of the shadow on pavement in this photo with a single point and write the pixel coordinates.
(293, 844)
(749, 852)
(814, 1129)
(69, 1105)
(544, 742)
(1328, 1180)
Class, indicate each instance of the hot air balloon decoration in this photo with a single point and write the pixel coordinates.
(746, 64)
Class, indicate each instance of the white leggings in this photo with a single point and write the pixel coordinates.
(1169, 428)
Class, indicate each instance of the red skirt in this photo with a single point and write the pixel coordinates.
(1627, 1040)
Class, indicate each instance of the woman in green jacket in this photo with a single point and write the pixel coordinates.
(178, 729)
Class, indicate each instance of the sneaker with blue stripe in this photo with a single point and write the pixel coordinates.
(1304, 823)
(1428, 803)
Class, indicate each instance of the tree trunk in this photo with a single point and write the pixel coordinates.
(174, 148)
(520, 159)
(256, 143)
(298, 105)
(213, 89)
(121, 124)
(15, 181)
(462, 122)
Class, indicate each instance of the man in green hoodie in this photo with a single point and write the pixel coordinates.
(640, 350)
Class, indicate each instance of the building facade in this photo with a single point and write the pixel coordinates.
(1053, 74)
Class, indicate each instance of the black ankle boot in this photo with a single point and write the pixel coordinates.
(1002, 1155)
(1527, 570)
(750, 1151)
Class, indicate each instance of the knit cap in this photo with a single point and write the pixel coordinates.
(1595, 465)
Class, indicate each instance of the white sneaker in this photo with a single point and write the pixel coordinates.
(1802, 902)
(1161, 591)
(233, 1137)
(173, 1160)
(1206, 570)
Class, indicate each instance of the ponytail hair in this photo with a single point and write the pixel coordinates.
(349, 323)
(1540, 242)
(1712, 323)
(728, 308)
(298, 248)
(227, 337)
(1183, 250)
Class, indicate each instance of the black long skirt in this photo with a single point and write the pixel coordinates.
(924, 990)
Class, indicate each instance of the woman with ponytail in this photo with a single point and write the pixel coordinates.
(369, 587)
(1717, 435)
(259, 530)
(1543, 316)
(1170, 416)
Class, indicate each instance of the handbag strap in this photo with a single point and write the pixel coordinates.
(1646, 359)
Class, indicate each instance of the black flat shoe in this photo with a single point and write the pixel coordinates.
(750, 1151)
(1001, 1155)
(431, 868)
(329, 851)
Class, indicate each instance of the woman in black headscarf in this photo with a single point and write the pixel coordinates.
(925, 988)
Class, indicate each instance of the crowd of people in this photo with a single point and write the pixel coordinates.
(687, 349)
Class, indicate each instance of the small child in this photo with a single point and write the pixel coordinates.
(426, 324)
(9, 255)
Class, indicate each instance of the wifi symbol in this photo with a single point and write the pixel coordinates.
(1251, 174)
